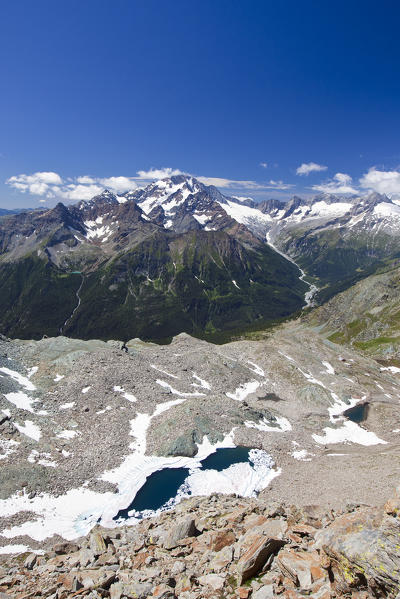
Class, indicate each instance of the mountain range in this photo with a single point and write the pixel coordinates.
(179, 256)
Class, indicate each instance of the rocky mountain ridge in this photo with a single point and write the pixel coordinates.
(223, 546)
(144, 279)
(335, 240)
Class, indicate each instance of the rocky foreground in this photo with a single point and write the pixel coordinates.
(223, 546)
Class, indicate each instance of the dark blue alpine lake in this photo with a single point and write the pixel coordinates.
(163, 485)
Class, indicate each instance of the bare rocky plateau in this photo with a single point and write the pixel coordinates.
(72, 412)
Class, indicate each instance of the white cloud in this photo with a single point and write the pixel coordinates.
(387, 182)
(279, 185)
(39, 183)
(264, 164)
(308, 167)
(75, 192)
(51, 185)
(341, 183)
(239, 184)
(85, 180)
(158, 173)
(118, 184)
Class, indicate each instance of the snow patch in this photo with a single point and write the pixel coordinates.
(349, 432)
(7, 446)
(302, 455)
(329, 368)
(244, 390)
(30, 429)
(175, 392)
(256, 369)
(204, 384)
(67, 406)
(279, 425)
(164, 371)
(22, 380)
(67, 434)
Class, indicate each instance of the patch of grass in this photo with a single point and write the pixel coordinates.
(374, 343)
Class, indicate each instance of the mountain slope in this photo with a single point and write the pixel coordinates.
(199, 283)
(180, 256)
(337, 240)
(104, 269)
(366, 316)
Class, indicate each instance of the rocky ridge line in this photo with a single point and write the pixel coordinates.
(223, 546)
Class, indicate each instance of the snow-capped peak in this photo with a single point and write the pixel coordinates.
(105, 197)
(168, 193)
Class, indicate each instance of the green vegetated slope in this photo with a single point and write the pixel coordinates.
(35, 297)
(366, 316)
(165, 285)
(337, 258)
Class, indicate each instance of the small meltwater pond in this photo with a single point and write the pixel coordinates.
(357, 413)
(166, 487)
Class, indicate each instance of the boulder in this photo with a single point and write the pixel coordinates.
(30, 561)
(139, 590)
(97, 543)
(86, 557)
(64, 548)
(183, 529)
(266, 592)
(222, 559)
(163, 591)
(91, 579)
(213, 581)
(253, 560)
(363, 548)
(303, 568)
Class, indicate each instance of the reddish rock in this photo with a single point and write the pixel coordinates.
(244, 592)
(237, 515)
(304, 530)
(253, 560)
(363, 547)
(162, 591)
(274, 527)
(140, 559)
(221, 539)
(253, 520)
(299, 566)
(213, 581)
(291, 594)
(67, 580)
(222, 559)
(392, 506)
(213, 540)
(296, 539)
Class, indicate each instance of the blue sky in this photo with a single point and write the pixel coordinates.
(242, 93)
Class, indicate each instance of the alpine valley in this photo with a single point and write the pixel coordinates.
(178, 256)
(200, 396)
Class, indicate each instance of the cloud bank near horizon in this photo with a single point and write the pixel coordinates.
(51, 185)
